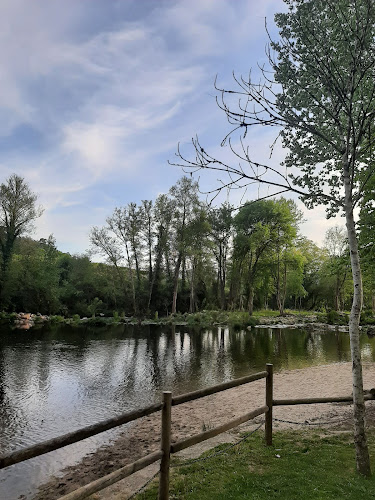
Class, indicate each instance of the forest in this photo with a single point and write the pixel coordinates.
(178, 254)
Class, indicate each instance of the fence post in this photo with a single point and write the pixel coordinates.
(269, 403)
(165, 446)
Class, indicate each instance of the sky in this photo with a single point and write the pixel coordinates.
(96, 95)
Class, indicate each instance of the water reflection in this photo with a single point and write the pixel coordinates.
(55, 380)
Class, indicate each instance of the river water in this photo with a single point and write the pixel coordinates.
(57, 379)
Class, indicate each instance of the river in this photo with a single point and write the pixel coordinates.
(59, 378)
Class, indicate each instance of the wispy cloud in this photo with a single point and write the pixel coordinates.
(96, 95)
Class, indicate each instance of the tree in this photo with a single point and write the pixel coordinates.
(147, 217)
(319, 91)
(18, 210)
(119, 225)
(221, 222)
(163, 214)
(184, 195)
(105, 244)
(336, 244)
(263, 228)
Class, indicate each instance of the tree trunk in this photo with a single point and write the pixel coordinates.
(337, 295)
(360, 440)
(283, 298)
(251, 301)
(192, 289)
(131, 279)
(175, 283)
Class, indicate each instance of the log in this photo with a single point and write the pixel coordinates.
(166, 417)
(269, 403)
(114, 477)
(190, 396)
(311, 401)
(72, 437)
(191, 441)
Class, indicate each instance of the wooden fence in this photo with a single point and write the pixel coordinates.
(167, 447)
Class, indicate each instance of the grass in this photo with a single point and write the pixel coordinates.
(299, 466)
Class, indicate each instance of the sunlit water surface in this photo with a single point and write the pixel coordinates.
(58, 379)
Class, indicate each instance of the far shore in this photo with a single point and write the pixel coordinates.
(190, 418)
(205, 319)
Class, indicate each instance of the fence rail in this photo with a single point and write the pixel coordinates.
(75, 436)
(313, 401)
(167, 447)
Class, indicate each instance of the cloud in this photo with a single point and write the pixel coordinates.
(110, 88)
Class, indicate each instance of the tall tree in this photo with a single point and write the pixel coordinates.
(336, 243)
(320, 91)
(221, 222)
(104, 243)
(263, 228)
(185, 197)
(163, 215)
(119, 225)
(18, 210)
(146, 214)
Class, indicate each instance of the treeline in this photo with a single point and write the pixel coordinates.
(176, 254)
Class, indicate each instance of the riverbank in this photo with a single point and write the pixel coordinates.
(203, 319)
(143, 437)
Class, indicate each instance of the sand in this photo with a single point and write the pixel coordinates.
(190, 418)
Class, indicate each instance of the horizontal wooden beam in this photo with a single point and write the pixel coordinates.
(113, 477)
(190, 396)
(191, 441)
(72, 437)
(312, 401)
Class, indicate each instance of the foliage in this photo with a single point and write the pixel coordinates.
(18, 210)
(223, 256)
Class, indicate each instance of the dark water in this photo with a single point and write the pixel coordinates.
(55, 380)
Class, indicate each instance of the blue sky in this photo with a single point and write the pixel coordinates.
(97, 94)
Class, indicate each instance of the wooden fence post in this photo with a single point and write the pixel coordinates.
(269, 403)
(165, 446)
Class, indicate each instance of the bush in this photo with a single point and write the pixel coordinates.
(333, 317)
(56, 319)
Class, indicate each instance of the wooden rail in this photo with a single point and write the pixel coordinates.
(191, 441)
(112, 478)
(313, 401)
(75, 436)
(166, 446)
(191, 396)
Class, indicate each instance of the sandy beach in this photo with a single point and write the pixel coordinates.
(143, 437)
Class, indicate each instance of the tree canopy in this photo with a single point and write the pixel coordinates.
(319, 92)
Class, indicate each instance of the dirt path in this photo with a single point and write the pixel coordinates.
(193, 417)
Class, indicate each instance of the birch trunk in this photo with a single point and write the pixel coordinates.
(360, 440)
(131, 279)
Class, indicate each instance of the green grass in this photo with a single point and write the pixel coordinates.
(310, 466)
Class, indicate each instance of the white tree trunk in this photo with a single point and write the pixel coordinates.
(360, 441)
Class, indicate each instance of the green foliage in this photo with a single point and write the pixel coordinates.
(333, 317)
(239, 320)
(56, 319)
(223, 261)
